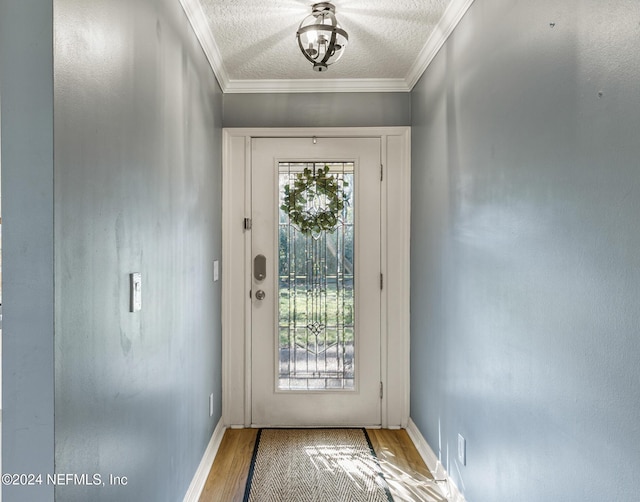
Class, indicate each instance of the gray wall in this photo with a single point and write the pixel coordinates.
(26, 87)
(525, 238)
(317, 109)
(138, 118)
(136, 181)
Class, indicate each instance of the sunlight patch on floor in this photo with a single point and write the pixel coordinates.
(407, 485)
(357, 466)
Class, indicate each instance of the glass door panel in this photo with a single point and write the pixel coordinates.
(316, 308)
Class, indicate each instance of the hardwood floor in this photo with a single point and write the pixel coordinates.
(403, 468)
(228, 475)
(407, 475)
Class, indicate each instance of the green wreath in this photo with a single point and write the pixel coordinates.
(308, 186)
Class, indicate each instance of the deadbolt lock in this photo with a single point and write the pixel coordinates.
(260, 267)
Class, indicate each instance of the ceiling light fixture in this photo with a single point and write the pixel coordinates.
(320, 37)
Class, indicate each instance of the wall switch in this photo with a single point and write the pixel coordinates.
(135, 292)
(462, 450)
(211, 404)
(216, 270)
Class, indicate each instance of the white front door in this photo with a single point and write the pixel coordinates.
(316, 293)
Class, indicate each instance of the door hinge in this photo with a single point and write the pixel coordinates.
(381, 171)
(381, 389)
(247, 223)
(381, 281)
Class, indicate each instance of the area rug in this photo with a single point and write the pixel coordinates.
(315, 465)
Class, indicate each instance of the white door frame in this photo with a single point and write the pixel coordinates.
(236, 266)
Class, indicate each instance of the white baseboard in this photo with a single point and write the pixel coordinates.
(200, 477)
(445, 483)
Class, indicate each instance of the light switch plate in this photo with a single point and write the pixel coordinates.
(462, 450)
(135, 291)
(216, 270)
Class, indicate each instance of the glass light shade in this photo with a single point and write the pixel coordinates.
(320, 37)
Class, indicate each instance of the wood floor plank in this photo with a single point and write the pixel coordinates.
(228, 475)
(408, 477)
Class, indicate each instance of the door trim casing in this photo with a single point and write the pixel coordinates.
(236, 266)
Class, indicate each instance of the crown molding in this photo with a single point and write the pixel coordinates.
(450, 19)
(319, 85)
(198, 20)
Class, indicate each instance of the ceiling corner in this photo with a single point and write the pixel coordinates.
(450, 19)
(198, 21)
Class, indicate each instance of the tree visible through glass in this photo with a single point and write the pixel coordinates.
(316, 290)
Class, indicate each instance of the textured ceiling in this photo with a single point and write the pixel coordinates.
(255, 41)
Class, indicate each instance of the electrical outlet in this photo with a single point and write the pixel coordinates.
(462, 450)
(211, 404)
